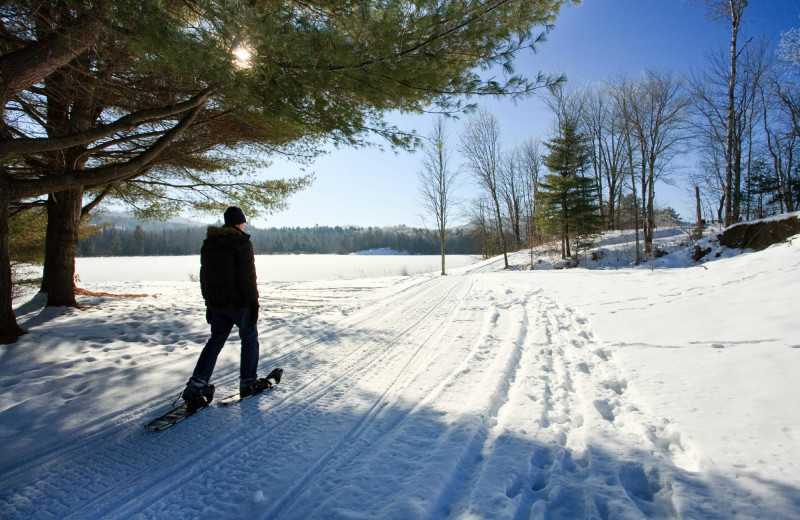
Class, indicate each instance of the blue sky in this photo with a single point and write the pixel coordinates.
(590, 43)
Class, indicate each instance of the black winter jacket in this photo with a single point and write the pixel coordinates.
(227, 269)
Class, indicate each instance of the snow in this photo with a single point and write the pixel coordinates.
(381, 251)
(269, 268)
(663, 391)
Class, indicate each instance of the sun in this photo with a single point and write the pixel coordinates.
(242, 56)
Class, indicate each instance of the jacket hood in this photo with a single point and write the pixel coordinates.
(217, 236)
(223, 231)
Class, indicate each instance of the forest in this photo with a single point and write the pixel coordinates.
(615, 142)
(174, 240)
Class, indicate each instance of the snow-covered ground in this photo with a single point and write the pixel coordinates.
(652, 392)
(270, 268)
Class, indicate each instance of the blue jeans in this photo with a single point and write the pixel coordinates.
(222, 322)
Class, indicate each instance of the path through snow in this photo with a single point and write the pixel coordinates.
(468, 396)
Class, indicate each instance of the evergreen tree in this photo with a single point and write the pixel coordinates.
(153, 96)
(568, 198)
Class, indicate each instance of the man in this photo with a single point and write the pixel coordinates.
(228, 284)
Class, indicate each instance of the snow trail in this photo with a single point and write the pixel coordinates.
(473, 396)
(319, 385)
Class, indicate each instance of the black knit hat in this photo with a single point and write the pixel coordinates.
(234, 216)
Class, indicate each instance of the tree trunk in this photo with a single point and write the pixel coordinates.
(698, 230)
(791, 203)
(737, 9)
(516, 219)
(500, 228)
(650, 215)
(638, 259)
(441, 242)
(645, 219)
(598, 179)
(63, 221)
(610, 215)
(9, 330)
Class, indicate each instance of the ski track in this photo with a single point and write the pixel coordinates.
(309, 403)
(374, 389)
(226, 377)
(128, 485)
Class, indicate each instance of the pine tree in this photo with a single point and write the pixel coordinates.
(153, 97)
(568, 198)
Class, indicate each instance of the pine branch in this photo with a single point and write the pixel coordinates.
(125, 123)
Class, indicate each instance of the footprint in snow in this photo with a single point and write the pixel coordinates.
(637, 483)
(618, 387)
(605, 410)
(602, 354)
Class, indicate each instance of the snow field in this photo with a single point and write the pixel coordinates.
(504, 395)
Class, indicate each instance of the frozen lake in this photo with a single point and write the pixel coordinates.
(270, 268)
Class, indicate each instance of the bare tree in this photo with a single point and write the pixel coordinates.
(437, 181)
(592, 122)
(480, 146)
(481, 225)
(511, 186)
(782, 142)
(657, 112)
(605, 123)
(709, 90)
(622, 90)
(732, 10)
(782, 138)
(532, 171)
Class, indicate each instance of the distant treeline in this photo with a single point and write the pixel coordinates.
(172, 241)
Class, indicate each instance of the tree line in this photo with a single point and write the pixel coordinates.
(737, 121)
(114, 241)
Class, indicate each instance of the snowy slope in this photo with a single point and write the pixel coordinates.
(627, 393)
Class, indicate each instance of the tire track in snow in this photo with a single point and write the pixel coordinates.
(394, 436)
(501, 447)
(361, 421)
(517, 333)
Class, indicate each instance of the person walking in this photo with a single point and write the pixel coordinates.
(229, 288)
